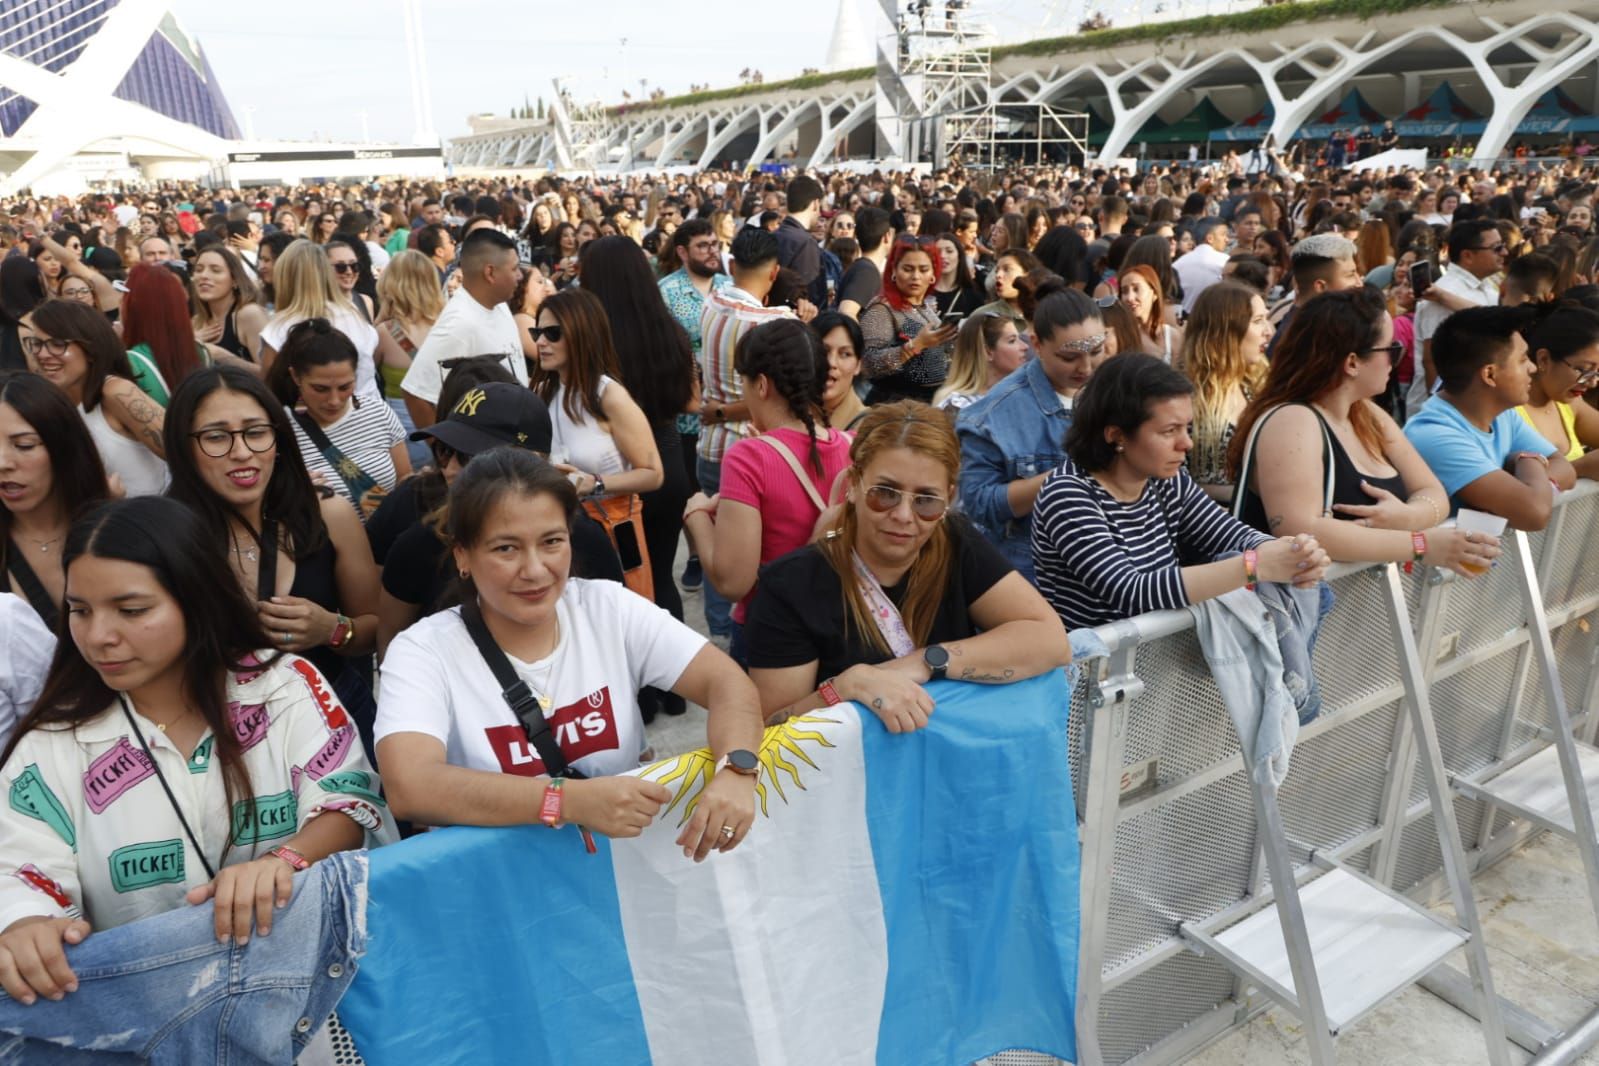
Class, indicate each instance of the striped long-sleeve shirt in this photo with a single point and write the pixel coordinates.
(1099, 559)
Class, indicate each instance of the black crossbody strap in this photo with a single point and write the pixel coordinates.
(523, 703)
(266, 574)
(210, 871)
(32, 588)
(359, 482)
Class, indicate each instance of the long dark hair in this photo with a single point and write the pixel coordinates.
(1310, 357)
(21, 288)
(68, 320)
(789, 354)
(312, 342)
(221, 628)
(590, 352)
(652, 349)
(290, 499)
(77, 474)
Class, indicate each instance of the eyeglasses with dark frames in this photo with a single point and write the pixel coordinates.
(54, 345)
(1394, 350)
(217, 442)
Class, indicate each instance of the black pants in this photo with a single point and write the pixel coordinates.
(663, 524)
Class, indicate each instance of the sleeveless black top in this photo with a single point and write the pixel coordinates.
(230, 342)
(1346, 481)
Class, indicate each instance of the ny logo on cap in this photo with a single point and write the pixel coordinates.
(469, 403)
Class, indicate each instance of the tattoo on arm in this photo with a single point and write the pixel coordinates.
(971, 673)
(1275, 521)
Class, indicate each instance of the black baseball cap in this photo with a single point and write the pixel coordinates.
(493, 415)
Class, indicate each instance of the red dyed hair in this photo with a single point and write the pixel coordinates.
(901, 248)
(155, 312)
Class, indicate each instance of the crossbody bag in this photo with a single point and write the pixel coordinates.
(364, 488)
(528, 708)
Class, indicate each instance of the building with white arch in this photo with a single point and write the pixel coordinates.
(104, 86)
(1290, 62)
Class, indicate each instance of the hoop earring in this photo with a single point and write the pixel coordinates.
(466, 575)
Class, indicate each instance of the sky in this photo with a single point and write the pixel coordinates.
(307, 69)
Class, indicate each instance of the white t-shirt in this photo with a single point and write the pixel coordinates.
(465, 328)
(353, 326)
(613, 643)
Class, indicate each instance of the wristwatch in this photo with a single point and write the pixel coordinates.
(937, 660)
(740, 761)
(599, 486)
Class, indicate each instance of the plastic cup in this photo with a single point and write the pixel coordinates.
(1479, 522)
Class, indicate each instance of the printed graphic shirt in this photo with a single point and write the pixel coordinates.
(613, 642)
(88, 829)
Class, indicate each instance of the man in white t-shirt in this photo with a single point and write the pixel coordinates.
(1476, 256)
(476, 321)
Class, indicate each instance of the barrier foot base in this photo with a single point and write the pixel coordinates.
(1569, 1046)
(1524, 1029)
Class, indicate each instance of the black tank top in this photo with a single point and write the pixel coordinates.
(1346, 481)
(230, 342)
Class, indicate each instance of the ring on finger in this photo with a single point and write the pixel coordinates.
(727, 832)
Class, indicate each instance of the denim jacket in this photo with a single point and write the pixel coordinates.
(163, 990)
(1016, 431)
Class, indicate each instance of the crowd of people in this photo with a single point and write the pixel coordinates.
(301, 486)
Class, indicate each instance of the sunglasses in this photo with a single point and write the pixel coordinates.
(1394, 350)
(346, 268)
(443, 453)
(885, 498)
(552, 334)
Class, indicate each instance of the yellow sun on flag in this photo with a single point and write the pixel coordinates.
(782, 750)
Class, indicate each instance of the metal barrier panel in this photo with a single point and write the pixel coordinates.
(1181, 846)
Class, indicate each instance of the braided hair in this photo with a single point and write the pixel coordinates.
(788, 354)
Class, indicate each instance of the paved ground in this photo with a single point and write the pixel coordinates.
(1543, 948)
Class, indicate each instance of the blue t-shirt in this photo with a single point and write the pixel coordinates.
(1460, 453)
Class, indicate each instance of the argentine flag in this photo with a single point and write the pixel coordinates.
(907, 900)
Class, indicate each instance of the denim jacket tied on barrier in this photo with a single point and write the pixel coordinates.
(164, 990)
(1016, 431)
(1258, 646)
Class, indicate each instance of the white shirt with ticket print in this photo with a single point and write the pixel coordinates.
(613, 642)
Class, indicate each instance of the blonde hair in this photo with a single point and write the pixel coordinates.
(968, 365)
(1213, 351)
(926, 431)
(408, 288)
(303, 284)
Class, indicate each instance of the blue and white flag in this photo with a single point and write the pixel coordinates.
(901, 899)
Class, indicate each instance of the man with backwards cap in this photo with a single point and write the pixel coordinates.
(492, 415)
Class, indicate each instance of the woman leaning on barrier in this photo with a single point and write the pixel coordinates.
(899, 593)
(1120, 528)
(1315, 454)
(574, 655)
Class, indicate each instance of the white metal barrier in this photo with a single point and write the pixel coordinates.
(1503, 666)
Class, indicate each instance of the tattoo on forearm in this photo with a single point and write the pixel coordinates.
(1275, 521)
(142, 410)
(971, 673)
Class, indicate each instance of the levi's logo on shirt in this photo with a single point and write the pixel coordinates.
(582, 728)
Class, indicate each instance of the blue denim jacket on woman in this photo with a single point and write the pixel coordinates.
(1016, 431)
(164, 990)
